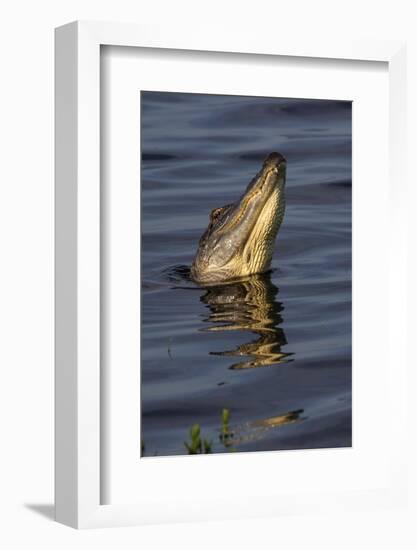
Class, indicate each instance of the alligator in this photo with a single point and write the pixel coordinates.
(239, 240)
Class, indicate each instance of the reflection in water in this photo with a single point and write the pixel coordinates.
(248, 305)
(256, 429)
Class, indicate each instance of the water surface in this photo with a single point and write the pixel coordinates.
(273, 349)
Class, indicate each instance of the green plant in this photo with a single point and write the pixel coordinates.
(225, 419)
(226, 434)
(197, 445)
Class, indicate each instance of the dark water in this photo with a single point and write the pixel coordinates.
(274, 349)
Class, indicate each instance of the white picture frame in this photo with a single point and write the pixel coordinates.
(78, 405)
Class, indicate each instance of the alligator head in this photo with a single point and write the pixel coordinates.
(239, 240)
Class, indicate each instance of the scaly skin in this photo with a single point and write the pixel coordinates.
(239, 240)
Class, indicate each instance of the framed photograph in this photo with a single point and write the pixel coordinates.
(230, 245)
